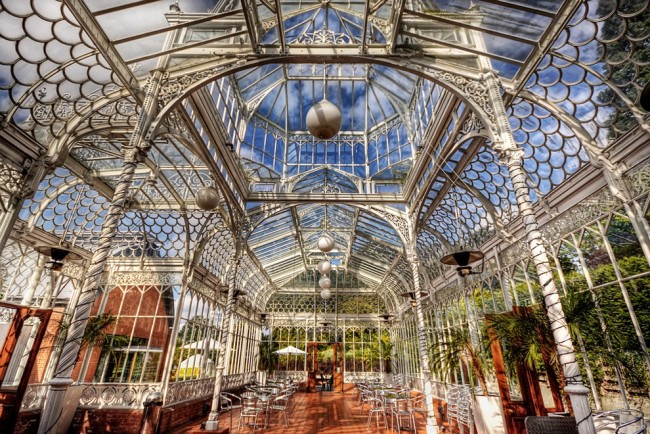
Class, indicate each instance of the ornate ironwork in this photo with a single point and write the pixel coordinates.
(34, 397)
(179, 391)
(116, 395)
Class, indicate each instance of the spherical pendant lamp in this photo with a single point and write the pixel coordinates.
(324, 267)
(324, 120)
(324, 282)
(326, 243)
(207, 198)
(325, 294)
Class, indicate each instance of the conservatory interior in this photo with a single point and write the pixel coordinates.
(324, 216)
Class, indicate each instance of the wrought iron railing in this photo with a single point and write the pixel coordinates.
(180, 391)
(34, 397)
(297, 376)
(116, 395)
(357, 377)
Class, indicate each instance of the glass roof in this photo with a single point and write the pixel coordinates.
(72, 76)
(377, 105)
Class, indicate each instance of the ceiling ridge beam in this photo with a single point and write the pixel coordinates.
(301, 245)
(338, 198)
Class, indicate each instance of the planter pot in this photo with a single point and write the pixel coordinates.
(262, 376)
(488, 415)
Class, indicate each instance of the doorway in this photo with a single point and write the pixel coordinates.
(325, 366)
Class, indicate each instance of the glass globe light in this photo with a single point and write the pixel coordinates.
(324, 282)
(324, 120)
(207, 198)
(324, 267)
(325, 294)
(326, 243)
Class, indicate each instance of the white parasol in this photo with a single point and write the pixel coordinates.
(290, 350)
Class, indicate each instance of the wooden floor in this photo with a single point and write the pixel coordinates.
(321, 412)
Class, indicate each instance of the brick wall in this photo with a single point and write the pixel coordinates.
(87, 421)
(106, 421)
(181, 414)
(27, 422)
(131, 302)
(47, 346)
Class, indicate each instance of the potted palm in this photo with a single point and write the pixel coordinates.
(457, 347)
(268, 359)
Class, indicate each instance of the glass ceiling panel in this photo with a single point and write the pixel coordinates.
(379, 229)
(509, 30)
(124, 19)
(50, 71)
(366, 94)
(369, 249)
(375, 101)
(322, 25)
(326, 179)
(67, 207)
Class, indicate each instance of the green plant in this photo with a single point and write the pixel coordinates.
(268, 360)
(446, 353)
(94, 334)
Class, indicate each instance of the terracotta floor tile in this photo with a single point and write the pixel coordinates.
(325, 412)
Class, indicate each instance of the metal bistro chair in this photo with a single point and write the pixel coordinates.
(377, 408)
(280, 404)
(229, 402)
(249, 411)
(420, 405)
(550, 425)
(364, 398)
(403, 408)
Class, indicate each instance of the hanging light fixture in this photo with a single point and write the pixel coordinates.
(207, 198)
(237, 294)
(411, 296)
(326, 242)
(463, 258)
(386, 317)
(324, 118)
(57, 256)
(324, 282)
(324, 266)
(325, 294)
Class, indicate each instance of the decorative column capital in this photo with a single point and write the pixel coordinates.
(133, 154)
(413, 259)
(508, 154)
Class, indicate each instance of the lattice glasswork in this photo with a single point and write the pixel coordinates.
(552, 152)
(343, 304)
(49, 67)
(67, 207)
(597, 67)
(24, 279)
